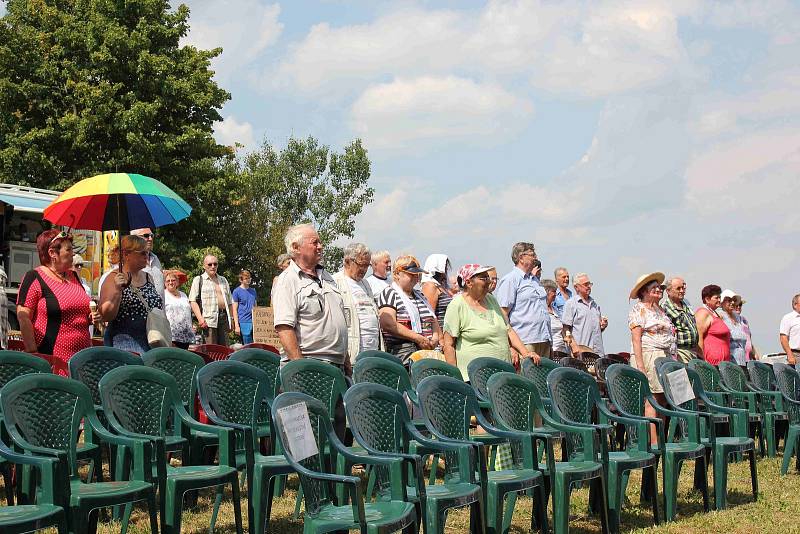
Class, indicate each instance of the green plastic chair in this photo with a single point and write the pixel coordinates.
(788, 381)
(762, 381)
(43, 415)
(381, 424)
(628, 390)
(479, 370)
(384, 371)
(233, 394)
(734, 382)
(575, 395)
(13, 364)
(323, 511)
(721, 447)
(712, 381)
(426, 367)
(538, 375)
(448, 404)
(371, 353)
(140, 401)
(515, 404)
(27, 518)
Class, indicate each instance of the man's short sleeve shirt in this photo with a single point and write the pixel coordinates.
(526, 301)
(584, 318)
(790, 327)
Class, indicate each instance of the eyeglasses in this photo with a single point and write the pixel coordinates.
(147, 236)
(660, 287)
(494, 279)
(60, 235)
(79, 265)
(586, 284)
(484, 277)
(211, 264)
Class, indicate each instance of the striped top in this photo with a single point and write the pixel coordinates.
(388, 298)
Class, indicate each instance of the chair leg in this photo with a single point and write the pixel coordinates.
(540, 509)
(753, 473)
(237, 504)
(672, 471)
(152, 511)
(615, 496)
(789, 448)
(703, 461)
(508, 514)
(217, 503)
(654, 491)
(720, 479)
(604, 518)
(8, 484)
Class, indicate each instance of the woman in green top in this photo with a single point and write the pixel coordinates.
(474, 324)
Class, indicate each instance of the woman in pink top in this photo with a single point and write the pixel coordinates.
(714, 336)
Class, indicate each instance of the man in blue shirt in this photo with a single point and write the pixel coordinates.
(563, 292)
(244, 298)
(524, 300)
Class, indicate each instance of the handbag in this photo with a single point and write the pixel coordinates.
(159, 332)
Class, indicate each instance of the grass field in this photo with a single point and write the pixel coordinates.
(777, 509)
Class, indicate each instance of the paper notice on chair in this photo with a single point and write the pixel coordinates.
(680, 386)
(297, 431)
(772, 360)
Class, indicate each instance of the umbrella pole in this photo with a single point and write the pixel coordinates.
(119, 234)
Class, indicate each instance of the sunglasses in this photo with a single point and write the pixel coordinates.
(147, 236)
(61, 235)
(211, 264)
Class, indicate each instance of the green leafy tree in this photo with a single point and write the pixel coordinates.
(95, 86)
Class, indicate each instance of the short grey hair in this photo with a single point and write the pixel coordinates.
(549, 285)
(294, 236)
(578, 276)
(559, 270)
(668, 281)
(795, 299)
(353, 251)
(519, 248)
(379, 255)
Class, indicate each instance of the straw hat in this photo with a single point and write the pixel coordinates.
(644, 280)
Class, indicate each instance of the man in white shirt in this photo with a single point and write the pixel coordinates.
(381, 271)
(153, 266)
(361, 312)
(790, 331)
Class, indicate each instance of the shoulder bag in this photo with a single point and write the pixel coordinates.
(159, 332)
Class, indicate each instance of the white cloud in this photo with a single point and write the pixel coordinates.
(230, 131)
(404, 112)
(243, 28)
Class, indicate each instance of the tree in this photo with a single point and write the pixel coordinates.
(95, 86)
(247, 210)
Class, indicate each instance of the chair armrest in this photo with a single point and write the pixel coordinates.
(49, 473)
(500, 432)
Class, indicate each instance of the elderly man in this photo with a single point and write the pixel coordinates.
(361, 311)
(153, 266)
(563, 292)
(524, 301)
(212, 304)
(790, 331)
(381, 270)
(582, 319)
(680, 313)
(308, 310)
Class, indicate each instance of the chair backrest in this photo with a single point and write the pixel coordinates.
(733, 376)
(538, 374)
(426, 367)
(480, 369)
(378, 416)
(762, 376)
(573, 363)
(627, 388)
(140, 399)
(317, 493)
(694, 379)
(315, 378)
(182, 365)
(556, 355)
(89, 365)
(372, 353)
(601, 365)
(574, 395)
(382, 371)
(708, 374)
(46, 410)
(515, 401)
(447, 405)
(14, 364)
(589, 358)
(788, 381)
(269, 362)
(674, 365)
(263, 346)
(213, 353)
(234, 392)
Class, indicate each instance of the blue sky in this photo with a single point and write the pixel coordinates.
(619, 137)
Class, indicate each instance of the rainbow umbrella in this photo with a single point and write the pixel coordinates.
(117, 201)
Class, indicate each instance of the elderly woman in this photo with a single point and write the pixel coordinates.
(714, 336)
(127, 296)
(178, 309)
(52, 305)
(652, 336)
(556, 326)
(435, 284)
(363, 325)
(750, 350)
(407, 321)
(475, 326)
(733, 321)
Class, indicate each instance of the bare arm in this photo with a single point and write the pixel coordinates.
(389, 324)
(26, 327)
(784, 344)
(703, 319)
(198, 314)
(636, 340)
(518, 346)
(235, 316)
(566, 332)
(449, 348)
(431, 292)
(288, 338)
(111, 295)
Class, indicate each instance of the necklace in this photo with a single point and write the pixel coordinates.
(57, 274)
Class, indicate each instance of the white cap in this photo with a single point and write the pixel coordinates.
(727, 294)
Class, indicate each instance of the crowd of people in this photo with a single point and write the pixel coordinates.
(401, 307)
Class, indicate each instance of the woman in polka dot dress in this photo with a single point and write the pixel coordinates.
(52, 305)
(119, 303)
